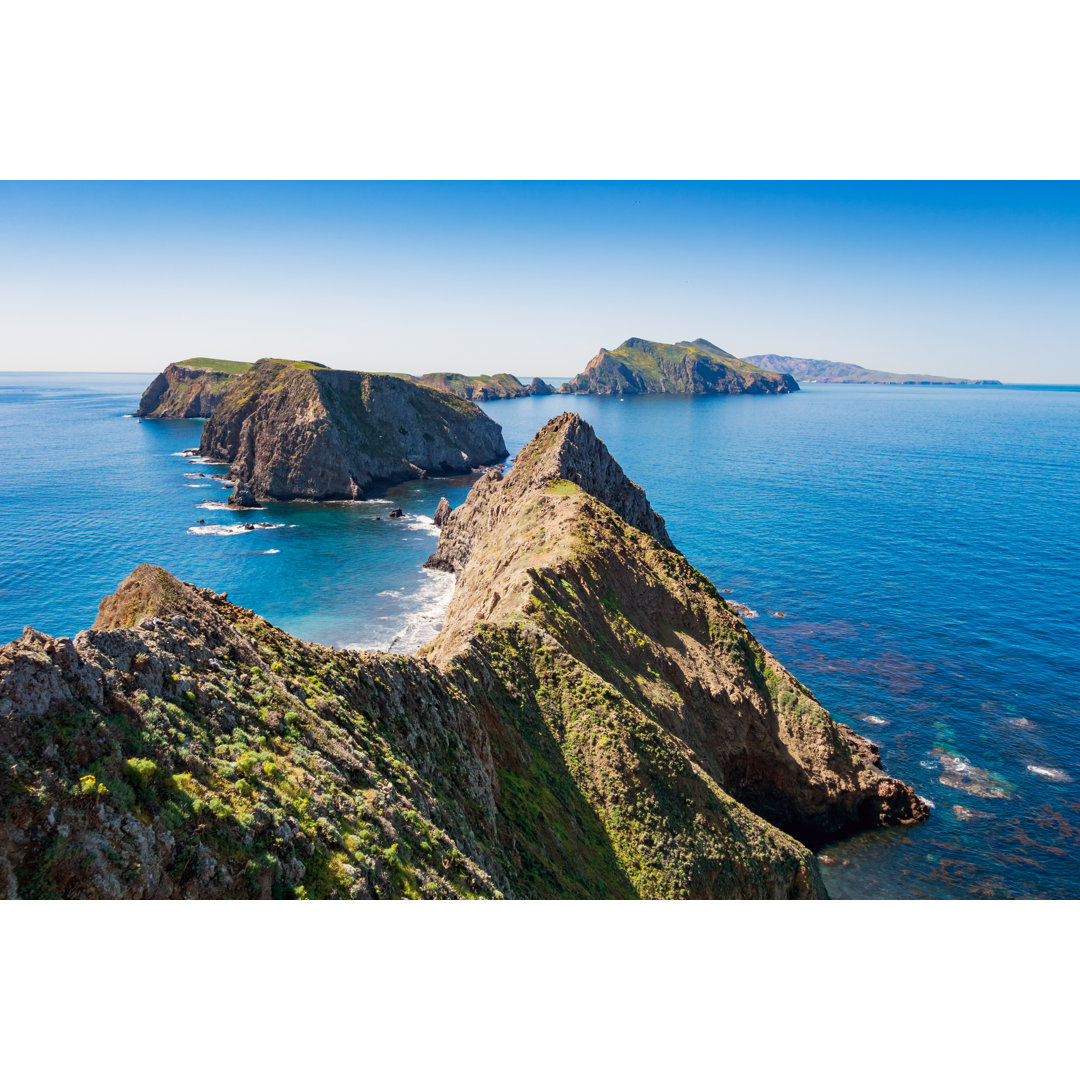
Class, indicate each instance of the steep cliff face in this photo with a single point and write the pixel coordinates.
(189, 389)
(301, 431)
(638, 366)
(484, 387)
(593, 721)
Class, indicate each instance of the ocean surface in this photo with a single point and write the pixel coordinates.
(912, 554)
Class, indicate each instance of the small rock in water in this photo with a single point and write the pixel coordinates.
(377, 518)
(243, 496)
(250, 527)
(780, 614)
(397, 512)
(442, 512)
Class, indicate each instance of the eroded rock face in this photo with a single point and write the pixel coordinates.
(300, 431)
(242, 495)
(186, 390)
(593, 721)
(442, 512)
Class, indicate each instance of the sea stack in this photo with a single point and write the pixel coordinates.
(242, 496)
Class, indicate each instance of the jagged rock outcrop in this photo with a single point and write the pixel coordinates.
(442, 512)
(483, 387)
(242, 495)
(302, 431)
(189, 389)
(638, 366)
(593, 721)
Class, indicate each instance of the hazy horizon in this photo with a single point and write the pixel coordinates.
(968, 280)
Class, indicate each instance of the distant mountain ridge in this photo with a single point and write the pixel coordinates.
(809, 370)
(482, 387)
(639, 366)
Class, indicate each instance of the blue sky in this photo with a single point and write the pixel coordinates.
(967, 279)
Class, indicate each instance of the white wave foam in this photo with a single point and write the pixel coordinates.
(197, 485)
(423, 523)
(1047, 772)
(390, 592)
(210, 504)
(872, 718)
(229, 530)
(432, 600)
(272, 551)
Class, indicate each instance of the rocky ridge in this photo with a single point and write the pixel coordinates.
(593, 721)
(302, 431)
(638, 366)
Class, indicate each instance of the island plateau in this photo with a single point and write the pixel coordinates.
(290, 430)
(193, 387)
(593, 721)
(824, 371)
(638, 366)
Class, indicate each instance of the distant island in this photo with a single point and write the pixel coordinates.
(593, 721)
(638, 366)
(483, 387)
(824, 371)
(292, 430)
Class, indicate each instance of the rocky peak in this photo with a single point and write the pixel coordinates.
(565, 450)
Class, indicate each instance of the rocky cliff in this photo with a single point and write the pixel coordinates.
(302, 431)
(638, 366)
(191, 388)
(593, 721)
(484, 387)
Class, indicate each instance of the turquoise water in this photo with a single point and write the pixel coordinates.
(923, 544)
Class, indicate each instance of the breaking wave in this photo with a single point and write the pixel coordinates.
(230, 530)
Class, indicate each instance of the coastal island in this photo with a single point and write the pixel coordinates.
(824, 371)
(192, 388)
(483, 387)
(638, 366)
(594, 720)
(293, 430)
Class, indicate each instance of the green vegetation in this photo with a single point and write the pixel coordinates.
(205, 363)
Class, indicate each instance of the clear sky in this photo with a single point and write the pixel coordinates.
(965, 279)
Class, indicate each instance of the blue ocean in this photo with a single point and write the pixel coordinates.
(911, 553)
